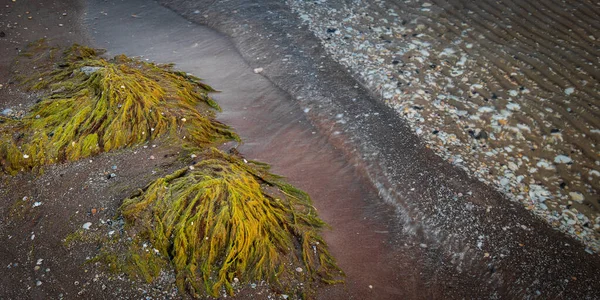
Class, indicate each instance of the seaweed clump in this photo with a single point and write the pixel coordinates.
(98, 105)
(225, 219)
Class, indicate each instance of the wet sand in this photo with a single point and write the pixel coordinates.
(274, 130)
(403, 221)
(478, 242)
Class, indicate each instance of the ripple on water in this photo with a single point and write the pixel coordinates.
(506, 90)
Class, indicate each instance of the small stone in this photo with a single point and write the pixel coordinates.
(36, 268)
(577, 196)
(152, 157)
(60, 25)
(36, 204)
(569, 91)
(562, 159)
(370, 286)
(25, 156)
(87, 225)
(38, 283)
(423, 245)
(258, 70)
(298, 269)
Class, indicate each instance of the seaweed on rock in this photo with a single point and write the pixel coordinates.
(226, 218)
(98, 105)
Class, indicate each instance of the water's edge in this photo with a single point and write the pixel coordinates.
(470, 225)
(431, 226)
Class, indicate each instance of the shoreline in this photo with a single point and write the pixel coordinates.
(458, 216)
(505, 134)
(423, 236)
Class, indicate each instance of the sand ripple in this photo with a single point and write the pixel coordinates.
(507, 90)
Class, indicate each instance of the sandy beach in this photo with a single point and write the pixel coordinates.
(369, 117)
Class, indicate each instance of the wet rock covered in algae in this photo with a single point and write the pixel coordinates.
(222, 220)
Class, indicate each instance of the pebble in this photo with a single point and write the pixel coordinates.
(298, 269)
(258, 70)
(576, 196)
(569, 91)
(87, 225)
(562, 159)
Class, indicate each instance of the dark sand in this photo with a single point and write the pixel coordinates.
(398, 223)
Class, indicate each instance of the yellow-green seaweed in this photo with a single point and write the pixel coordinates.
(97, 105)
(225, 218)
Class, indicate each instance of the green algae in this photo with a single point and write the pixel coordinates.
(98, 105)
(225, 218)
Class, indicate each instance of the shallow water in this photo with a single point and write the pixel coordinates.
(400, 222)
(506, 90)
(273, 130)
